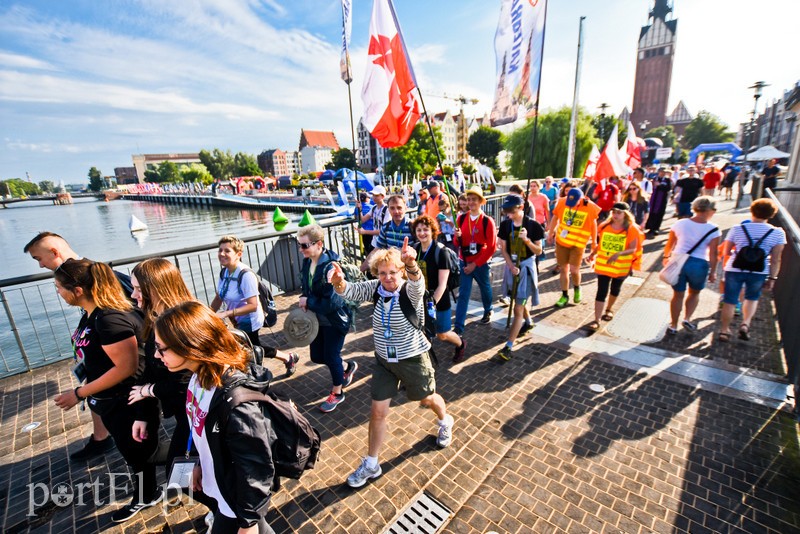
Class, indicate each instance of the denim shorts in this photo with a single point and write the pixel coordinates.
(684, 209)
(734, 280)
(694, 272)
(444, 320)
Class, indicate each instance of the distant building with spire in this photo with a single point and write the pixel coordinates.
(655, 54)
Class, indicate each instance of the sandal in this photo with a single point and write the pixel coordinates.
(671, 331)
(744, 332)
(692, 327)
(724, 337)
(594, 326)
(607, 316)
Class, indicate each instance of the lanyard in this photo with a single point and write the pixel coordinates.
(195, 405)
(225, 283)
(571, 216)
(386, 319)
(473, 227)
(397, 233)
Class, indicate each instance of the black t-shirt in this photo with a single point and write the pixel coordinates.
(690, 188)
(106, 327)
(514, 245)
(770, 176)
(430, 270)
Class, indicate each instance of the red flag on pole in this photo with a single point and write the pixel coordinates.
(632, 148)
(391, 102)
(612, 161)
(591, 165)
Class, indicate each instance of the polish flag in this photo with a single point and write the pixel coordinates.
(591, 165)
(632, 148)
(391, 101)
(612, 161)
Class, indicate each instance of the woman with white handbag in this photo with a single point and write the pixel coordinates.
(694, 242)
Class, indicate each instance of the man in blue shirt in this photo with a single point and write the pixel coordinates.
(393, 232)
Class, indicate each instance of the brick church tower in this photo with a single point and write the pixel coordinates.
(654, 68)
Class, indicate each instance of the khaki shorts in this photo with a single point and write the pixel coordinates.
(569, 255)
(415, 373)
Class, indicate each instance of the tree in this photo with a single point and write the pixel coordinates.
(342, 159)
(706, 128)
(96, 182)
(604, 124)
(17, 187)
(220, 164)
(48, 186)
(169, 172)
(412, 157)
(448, 171)
(550, 155)
(5, 191)
(665, 133)
(246, 165)
(196, 172)
(469, 169)
(485, 144)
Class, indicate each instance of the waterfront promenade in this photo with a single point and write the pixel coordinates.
(687, 435)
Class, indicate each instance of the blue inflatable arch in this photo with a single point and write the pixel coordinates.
(733, 148)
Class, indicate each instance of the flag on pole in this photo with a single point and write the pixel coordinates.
(391, 102)
(632, 148)
(591, 165)
(347, 28)
(518, 45)
(612, 161)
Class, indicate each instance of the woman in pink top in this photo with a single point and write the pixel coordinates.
(541, 204)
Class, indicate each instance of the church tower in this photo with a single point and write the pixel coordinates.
(654, 68)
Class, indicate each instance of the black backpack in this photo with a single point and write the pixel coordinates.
(451, 260)
(264, 296)
(751, 257)
(296, 444)
(426, 326)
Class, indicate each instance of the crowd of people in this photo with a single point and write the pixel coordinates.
(145, 348)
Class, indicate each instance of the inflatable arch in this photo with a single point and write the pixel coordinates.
(733, 148)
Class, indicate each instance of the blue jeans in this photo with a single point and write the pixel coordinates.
(480, 275)
(327, 349)
(752, 282)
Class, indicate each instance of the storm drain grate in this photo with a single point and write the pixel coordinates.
(425, 515)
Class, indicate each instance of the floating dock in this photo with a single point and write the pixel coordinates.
(290, 204)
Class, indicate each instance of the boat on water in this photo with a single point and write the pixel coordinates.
(135, 224)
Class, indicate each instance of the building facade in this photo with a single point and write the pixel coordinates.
(655, 55)
(316, 148)
(125, 175)
(775, 126)
(447, 125)
(371, 155)
(273, 162)
(142, 162)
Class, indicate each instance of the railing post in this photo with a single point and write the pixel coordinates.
(15, 330)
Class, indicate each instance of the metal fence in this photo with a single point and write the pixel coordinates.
(36, 325)
(787, 291)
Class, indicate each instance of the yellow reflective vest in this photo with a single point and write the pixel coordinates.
(609, 242)
(574, 228)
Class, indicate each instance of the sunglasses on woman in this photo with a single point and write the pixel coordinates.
(306, 246)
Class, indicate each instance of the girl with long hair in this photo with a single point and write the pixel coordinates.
(235, 472)
(639, 202)
(106, 344)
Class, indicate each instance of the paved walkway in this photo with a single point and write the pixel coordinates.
(577, 433)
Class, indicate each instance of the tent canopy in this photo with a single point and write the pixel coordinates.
(766, 152)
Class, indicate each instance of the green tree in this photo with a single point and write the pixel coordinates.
(706, 128)
(196, 172)
(550, 154)
(448, 171)
(48, 186)
(151, 175)
(469, 169)
(169, 172)
(17, 187)
(342, 159)
(485, 144)
(665, 133)
(246, 165)
(220, 164)
(96, 182)
(604, 124)
(411, 158)
(5, 191)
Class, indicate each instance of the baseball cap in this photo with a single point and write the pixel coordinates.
(511, 201)
(379, 190)
(574, 196)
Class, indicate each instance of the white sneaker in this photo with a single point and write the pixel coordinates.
(445, 432)
(363, 473)
(209, 520)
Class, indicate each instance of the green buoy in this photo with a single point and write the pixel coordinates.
(307, 219)
(278, 217)
(280, 225)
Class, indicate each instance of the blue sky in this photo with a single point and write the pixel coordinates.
(86, 83)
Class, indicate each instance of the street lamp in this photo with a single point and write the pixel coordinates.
(643, 125)
(603, 107)
(755, 188)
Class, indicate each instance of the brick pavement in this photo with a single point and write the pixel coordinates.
(535, 450)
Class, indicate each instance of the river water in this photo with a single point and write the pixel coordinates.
(99, 230)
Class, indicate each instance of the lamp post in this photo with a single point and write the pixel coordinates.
(755, 187)
(603, 107)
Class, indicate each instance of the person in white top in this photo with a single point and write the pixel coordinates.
(770, 240)
(698, 238)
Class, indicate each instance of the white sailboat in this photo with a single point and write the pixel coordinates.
(135, 224)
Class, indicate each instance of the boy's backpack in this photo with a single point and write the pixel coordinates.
(752, 257)
(463, 216)
(426, 326)
(265, 297)
(295, 445)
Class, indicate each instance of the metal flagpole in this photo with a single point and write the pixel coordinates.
(348, 78)
(574, 119)
(438, 158)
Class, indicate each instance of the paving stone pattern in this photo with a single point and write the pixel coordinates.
(534, 450)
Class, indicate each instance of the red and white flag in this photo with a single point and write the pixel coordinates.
(612, 161)
(591, 165)
(632, 148)
(391, 100)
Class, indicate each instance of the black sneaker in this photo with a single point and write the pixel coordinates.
(135, 506)
(351, 369)
(487, 317)
(458, 356)
(291, 365)
(525, 328)
(93, 448)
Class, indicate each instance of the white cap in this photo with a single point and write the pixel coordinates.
(379, 190)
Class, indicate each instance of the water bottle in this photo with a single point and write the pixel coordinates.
(431, 309)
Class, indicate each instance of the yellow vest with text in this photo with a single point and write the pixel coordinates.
(609, 243)
(576, 221)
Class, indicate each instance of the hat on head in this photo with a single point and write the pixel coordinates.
(379, 190)
(476, 190)
(511, 201)
(432, 183)
(621, 206)
(300, 327)
(563, 180)
(574, 196)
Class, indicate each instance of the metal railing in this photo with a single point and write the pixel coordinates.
(787, 295)
(36, 325)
